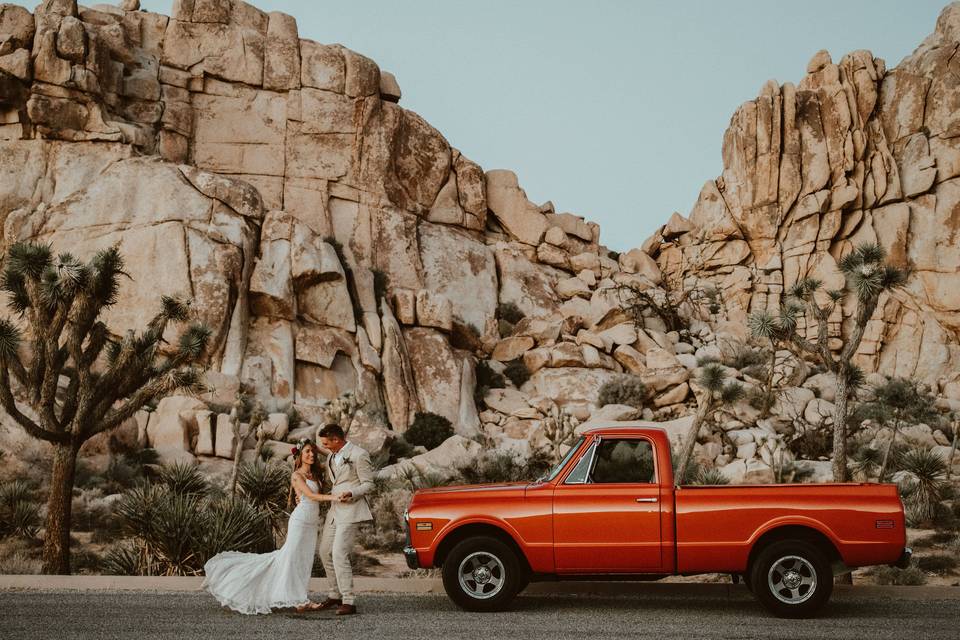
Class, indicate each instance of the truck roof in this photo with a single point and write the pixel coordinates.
(626, 429)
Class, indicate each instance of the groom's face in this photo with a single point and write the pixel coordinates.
(333, 444)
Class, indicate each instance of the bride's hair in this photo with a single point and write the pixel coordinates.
(316, 469)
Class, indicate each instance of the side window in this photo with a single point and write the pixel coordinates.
(623, 461)
(581, 472)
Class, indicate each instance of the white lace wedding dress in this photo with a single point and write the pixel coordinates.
(254, 583)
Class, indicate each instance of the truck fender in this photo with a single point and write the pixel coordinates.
(795, 521)
(451, 529)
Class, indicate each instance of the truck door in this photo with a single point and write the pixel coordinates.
(606, 511)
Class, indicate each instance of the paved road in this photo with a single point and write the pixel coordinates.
(195, 616)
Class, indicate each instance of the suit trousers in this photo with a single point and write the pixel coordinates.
(336, 546)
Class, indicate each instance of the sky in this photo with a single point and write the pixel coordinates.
(613, 109)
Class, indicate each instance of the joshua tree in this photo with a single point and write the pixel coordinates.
(240, 435)
(897, 402)
(717, 392)
(776, 331)
(77, 380)
(866, 276)
(558, 428)
(341, 411)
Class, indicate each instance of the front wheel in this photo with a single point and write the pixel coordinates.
(482, 574)
(791, 579)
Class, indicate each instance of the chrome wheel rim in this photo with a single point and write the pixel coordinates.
(792, 580)
(481, 575)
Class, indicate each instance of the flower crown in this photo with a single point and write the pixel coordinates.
(301, 443)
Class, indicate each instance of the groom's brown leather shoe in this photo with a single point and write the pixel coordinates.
(346, 610)
(329, 603)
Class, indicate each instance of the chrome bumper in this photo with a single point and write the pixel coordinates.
(904, 560)
(410, 555)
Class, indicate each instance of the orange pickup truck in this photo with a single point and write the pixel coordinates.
(610, 511)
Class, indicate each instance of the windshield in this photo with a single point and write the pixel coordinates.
(560, 465)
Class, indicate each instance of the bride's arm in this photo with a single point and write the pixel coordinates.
(304, 490)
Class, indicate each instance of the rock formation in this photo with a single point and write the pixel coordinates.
(337, 243)
(853, 153)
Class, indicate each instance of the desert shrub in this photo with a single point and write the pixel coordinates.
(516, 371)
(20, 564)
(386, 532)
(933, 540)
(16, 491)
(693, 471)
(811, 442)
(294, 417)
(494, 467)
(625, 389)
(911, 576)
(711, 476)
(923, 485)
(744, 356)
(510, 312)
(21, 519)
(703, 361)
(175, 533)
(266, 486)
(399, 449)
(428, 430)
(487, 379)
(123, 559)
(183, 479)
(92, 511)
(939, 563)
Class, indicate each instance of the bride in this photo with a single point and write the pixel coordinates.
(254, 583)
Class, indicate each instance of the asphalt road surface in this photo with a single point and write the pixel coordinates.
(189, 616)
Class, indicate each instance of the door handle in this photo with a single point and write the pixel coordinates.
(646, 499)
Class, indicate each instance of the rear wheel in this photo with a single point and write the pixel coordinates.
(791, 579)
(482, 574)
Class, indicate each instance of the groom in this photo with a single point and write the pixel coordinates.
(351, 475)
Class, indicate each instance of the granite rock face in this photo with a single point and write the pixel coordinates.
(853, 153)
(337, 243)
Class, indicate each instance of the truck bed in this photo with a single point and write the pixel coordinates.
(716, 526)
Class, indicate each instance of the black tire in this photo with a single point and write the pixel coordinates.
(800, 584)
(496, 578)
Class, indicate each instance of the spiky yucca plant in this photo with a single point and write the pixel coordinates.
(924, 484)
(77, 379)
(866, 276)
(716, 391)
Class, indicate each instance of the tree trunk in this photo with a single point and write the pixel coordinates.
(840, 428)
(768, 391)
(56, 540)
(953, 450)
(886, 454)
(691, 440)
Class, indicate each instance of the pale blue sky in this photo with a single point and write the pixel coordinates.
(613, 109)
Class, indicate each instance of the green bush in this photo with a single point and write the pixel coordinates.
(176, 533)
(21, 519)
(625, 389)
(510, 312)
(517, 372)
(267, 487)
(710, 476)
(924, 486)
(183, 479)
(744, 356)
(428, 430)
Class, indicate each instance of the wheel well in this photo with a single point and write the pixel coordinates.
(477, 529)
(795, 532)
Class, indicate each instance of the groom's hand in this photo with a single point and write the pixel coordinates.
(346, 497)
